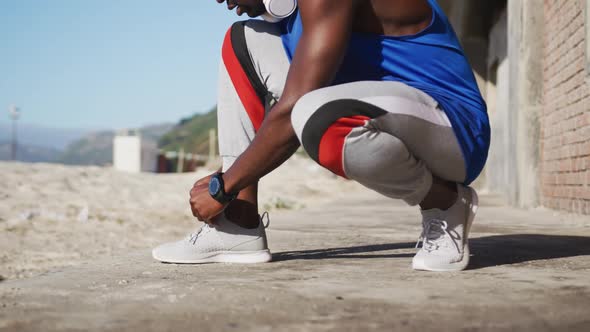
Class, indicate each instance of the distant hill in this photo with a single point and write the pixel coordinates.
(29, 153)
(97, 148)
(93, 149)
(191, 134)
(40, 136)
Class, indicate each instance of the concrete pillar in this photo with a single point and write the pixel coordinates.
(525, 24)
(514, 44)
(500, 168)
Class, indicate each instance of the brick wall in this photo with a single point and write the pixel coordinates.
(565, 118)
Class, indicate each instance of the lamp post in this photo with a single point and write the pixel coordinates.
(14, 115)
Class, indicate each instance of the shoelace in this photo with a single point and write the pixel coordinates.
(265, 214)
(206, 228)
(433, 231)
(203, 230)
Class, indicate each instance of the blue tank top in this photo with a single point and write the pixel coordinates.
(432, 61)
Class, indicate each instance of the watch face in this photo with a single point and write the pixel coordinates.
(214, 186)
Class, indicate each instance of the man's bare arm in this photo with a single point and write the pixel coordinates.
(327, 26)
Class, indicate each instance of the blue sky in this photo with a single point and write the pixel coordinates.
(109, 64)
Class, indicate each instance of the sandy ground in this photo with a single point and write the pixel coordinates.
(342, 263)
(53, 215)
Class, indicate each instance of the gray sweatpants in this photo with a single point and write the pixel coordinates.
(388, 136)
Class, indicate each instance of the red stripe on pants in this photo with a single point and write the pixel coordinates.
(332, 143)
(246, 92)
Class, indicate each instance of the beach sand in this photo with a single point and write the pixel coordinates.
(341, 260)
(54, 216)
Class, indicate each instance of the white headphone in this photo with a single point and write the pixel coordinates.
(276, 10)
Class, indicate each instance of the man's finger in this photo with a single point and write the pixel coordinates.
(204, 187)
(196, 213)
(204, 180)
(196, 188)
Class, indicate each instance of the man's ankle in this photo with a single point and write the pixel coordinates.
(442, 196)
(243, 214)
(248, 223)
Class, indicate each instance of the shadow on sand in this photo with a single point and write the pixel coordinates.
(486, 251)
(345, 252)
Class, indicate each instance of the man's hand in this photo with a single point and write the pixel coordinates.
(203, 206)
(251, 7)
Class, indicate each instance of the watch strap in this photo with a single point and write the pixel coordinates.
(221, 196)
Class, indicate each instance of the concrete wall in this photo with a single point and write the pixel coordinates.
(565, 118)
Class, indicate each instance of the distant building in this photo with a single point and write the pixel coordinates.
(134, 155)
(532, 63)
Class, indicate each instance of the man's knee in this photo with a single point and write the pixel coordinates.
(312, 106)
(301, 113)
(322, 130)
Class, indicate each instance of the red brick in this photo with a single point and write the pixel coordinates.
(565, 115)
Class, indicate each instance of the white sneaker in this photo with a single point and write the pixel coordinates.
(445, 234)
(223, 242)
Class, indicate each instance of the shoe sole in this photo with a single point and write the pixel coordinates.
(239, 257)
(462, 264)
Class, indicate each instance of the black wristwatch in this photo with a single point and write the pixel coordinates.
(217, 190)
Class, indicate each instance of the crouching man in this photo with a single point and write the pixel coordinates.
(376, 91)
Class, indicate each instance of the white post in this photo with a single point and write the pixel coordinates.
(212, 144)
(180, 165)
(14, 114)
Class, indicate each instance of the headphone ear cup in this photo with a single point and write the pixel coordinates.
(278, 9)
(269, 18)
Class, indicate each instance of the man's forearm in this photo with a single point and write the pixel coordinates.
(274, 143)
